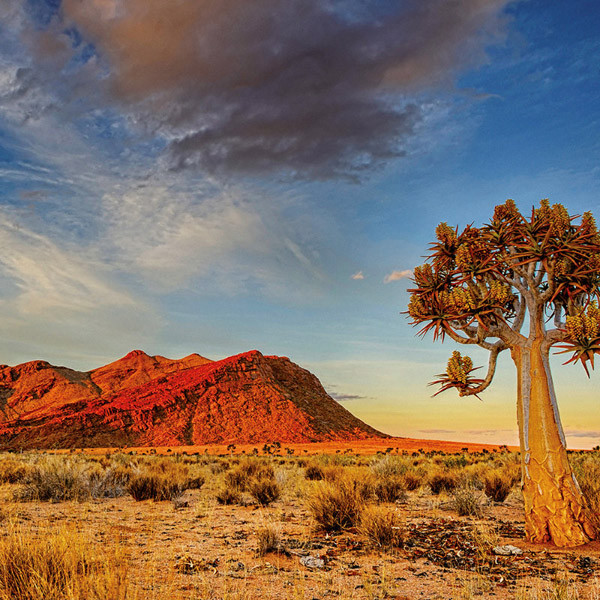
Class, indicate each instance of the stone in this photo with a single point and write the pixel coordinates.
(507, 550)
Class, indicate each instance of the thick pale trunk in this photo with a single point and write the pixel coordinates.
(555, 509)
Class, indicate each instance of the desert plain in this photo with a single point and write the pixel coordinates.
(374, 519)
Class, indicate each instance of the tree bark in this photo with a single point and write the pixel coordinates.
(555, 509)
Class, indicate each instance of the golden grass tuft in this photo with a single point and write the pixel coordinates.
(60, 565)
(383, 527)
(337, 505)
(497, 485)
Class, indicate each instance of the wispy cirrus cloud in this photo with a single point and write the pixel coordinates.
(48, 278)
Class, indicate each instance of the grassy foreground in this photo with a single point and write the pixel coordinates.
(392, 525)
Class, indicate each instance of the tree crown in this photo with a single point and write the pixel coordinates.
(480, 285)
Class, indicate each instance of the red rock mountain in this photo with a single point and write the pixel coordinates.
(143, 400)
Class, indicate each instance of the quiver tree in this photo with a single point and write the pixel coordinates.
(523, 284)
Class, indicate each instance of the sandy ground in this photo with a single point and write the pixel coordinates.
(203, 550)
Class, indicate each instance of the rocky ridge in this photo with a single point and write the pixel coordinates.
(143, 400)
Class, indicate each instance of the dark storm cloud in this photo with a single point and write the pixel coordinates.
(315, 88)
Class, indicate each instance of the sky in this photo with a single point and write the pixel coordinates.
(216, 176)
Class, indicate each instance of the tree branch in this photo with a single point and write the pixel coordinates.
(554, 336)
(520, 318)
(494, 352)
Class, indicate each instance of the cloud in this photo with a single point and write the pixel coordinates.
(212, 238)
(314, 89)
(47, 278)
(358, 275)
(577, 433)
(346, 397)
(62, 301)
(397, 275)
(439, 431)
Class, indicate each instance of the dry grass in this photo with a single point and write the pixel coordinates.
(497, 485)
(237, 546)
(383, 527)
(267, 540)
(56, 479)
(466, 501)
(337, 505)
(60, 565)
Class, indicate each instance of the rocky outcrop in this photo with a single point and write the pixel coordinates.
(143, 400)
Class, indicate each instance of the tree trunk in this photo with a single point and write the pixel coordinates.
(555, 509)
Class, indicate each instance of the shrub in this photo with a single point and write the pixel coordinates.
(382, 527)
(497, 485)
(226, 495)
(14, 471)
(156, 484)
(388, 466)
(268, 540)
(58, 565)
(412, 481)
(313, 472)
(439, 482)
(196, 482)
(56, 479)
(336, 505)
(390, 489)
(264, 491)
(246, 472)
(112, 483)
(466, 501)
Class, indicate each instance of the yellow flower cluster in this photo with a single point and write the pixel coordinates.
(543, 212)
(506, 210)
(423, 275)
(445, 234)
(463, 257)
(417, 308)
(588, 223)
(501, 293)
(459, 368)
(459, 300)
(562, 267)
(559, 219)
(584, 327)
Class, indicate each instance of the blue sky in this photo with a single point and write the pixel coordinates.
(214, 177)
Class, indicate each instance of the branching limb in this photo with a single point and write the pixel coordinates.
(509, 335)
(554, 336)
(551, 284)
(475, 337)
(494, 352)
(520, 316)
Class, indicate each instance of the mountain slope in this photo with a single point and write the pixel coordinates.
(143, 400)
